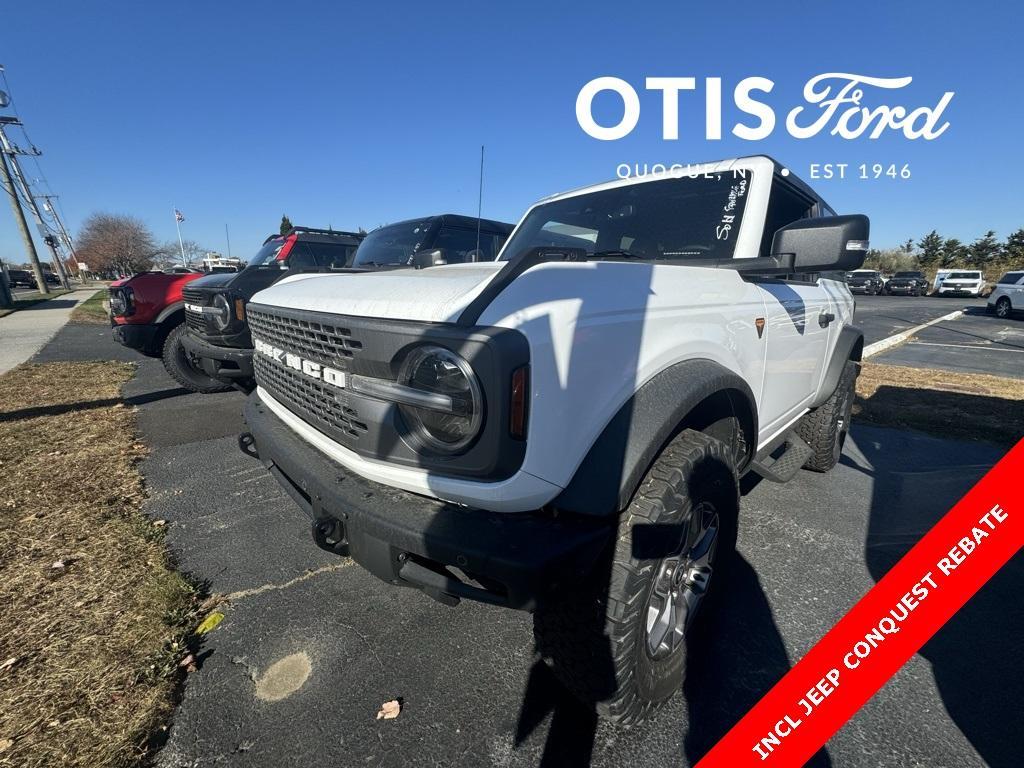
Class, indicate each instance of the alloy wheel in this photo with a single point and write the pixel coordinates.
(681, 584)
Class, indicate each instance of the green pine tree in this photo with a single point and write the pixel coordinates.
(985, 250)
(954, 254)
(286, 224)
(930, 249)
(1013, 249)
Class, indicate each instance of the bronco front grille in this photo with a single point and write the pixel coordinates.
(319, 404)
(329, 343)
(314, 402)
(193, 320)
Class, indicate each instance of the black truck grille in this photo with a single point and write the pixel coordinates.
(194, 320)
(321, 405)
(314, 402)
(327, 343)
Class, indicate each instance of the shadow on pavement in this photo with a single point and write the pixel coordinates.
(152, 397)
(976, 656)
(948, 414)
(52, 304)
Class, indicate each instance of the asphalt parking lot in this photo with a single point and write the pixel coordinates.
(311, 646)
(975, 342)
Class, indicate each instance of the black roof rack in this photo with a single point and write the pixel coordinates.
(315, 231)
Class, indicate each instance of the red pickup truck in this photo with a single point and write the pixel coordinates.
(147, 313)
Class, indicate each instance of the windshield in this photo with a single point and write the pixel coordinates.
(1011, 278)
(863, 273)
(683, 218)
(392, 245)
(907, 274)
(267, 253)
(964, 276)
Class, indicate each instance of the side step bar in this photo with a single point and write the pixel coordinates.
(782, 468)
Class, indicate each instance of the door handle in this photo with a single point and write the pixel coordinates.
(825, 318)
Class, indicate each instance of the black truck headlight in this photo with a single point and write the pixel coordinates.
(222, 314)
(450, 411)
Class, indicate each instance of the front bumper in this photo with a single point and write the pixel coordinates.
(959, 292)
(447, 550)
(228, 364)
(140, 336)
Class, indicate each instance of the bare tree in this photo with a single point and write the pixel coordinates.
(194, 252)
(116, 243)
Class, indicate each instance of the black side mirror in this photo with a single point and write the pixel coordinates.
(824, 244)
(432, 257)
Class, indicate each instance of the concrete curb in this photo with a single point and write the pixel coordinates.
(897, 339)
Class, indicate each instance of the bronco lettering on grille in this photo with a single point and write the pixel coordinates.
(310, 368)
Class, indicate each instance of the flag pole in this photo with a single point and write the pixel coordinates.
(480, 201)
(181, 244)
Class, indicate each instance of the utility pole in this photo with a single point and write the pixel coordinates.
(19, 219)
(52, 210)
(12, 152)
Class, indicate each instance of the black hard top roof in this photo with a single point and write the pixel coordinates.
(459, 220)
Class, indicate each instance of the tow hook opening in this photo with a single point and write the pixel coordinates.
(247, 445)
(329, 535)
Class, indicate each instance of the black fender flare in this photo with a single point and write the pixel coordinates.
(609, 474)
(849, 346)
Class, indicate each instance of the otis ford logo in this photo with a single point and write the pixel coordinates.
(324, 373)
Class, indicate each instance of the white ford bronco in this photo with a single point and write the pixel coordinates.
(562, 430)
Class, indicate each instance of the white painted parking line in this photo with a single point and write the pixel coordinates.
(986, 347)
(892, 341)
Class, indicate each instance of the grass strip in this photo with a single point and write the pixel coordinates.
(94, 620)
(965, 406)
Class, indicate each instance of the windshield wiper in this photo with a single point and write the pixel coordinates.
(614, 254)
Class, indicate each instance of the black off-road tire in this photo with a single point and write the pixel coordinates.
(594, 637)
(182, 369)
(825, 428)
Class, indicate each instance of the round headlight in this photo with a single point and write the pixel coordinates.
(222, 317)
(117, 303)
(455, 421)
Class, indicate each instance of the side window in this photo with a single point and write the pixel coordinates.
(331, 255)
(300, 257)
(460, 245)
(785, 205)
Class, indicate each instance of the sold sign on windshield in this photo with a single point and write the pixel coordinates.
(885, 628)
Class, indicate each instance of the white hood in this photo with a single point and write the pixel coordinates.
(435, 294)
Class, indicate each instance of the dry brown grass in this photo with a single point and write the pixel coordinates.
(969, 406)
(92, 615)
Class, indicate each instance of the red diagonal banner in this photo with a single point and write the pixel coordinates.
(885, 628)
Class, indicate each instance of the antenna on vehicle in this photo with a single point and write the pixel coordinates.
(480, 201)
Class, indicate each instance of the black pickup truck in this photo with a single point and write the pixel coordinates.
(218, 337)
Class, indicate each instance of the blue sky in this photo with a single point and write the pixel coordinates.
(237, 112)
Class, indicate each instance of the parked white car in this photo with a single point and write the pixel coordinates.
(1008, 295)
(961, 282)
